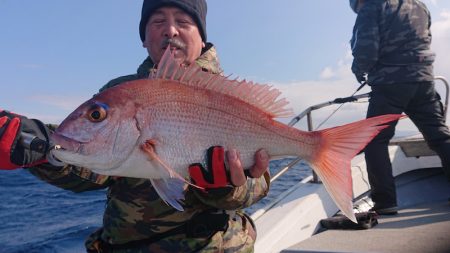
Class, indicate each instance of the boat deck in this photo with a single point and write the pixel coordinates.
(422, 225)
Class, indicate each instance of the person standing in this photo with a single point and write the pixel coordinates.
(391, 49)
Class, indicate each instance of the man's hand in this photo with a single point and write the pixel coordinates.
(237, 172)
(13, 154)
(216, 178)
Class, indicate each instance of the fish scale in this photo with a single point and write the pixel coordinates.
(197, 129)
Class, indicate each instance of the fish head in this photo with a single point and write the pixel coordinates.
(101, 133)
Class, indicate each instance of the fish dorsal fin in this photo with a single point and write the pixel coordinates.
(264, 97)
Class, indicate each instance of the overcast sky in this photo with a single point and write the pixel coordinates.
(56, 54)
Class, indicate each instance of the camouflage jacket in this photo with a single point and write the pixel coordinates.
(135, 212)
(391, 42)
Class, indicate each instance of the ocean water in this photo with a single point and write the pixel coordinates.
(36, 217)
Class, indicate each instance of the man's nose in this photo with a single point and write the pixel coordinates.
(171, 30)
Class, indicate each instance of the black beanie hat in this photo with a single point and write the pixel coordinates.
(195, 8)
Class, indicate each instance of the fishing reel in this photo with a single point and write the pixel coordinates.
(36, 144)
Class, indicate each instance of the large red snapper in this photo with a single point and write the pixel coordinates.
(179, 112)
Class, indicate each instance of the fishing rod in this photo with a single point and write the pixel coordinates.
(307, 112)
(342, 101)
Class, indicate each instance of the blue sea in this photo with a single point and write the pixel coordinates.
(36, 217)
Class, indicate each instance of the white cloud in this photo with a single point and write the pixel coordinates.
(58, 106)
(432, 2)
(441, 43)
(54, 118)
(59, 102)
(327, 73)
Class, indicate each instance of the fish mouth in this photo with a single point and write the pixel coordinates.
(64, 149)
(71, 151)
(64, 143)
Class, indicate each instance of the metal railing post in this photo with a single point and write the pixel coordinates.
(447, 88)
(311, 128)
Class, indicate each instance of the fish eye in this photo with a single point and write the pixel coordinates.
(97, 113)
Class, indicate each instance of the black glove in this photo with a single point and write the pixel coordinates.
(361, 77)
(215, 179)
(16, 133)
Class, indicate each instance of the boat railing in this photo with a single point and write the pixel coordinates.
(354, 98)
(447, 89)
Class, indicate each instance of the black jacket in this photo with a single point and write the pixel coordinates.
(391, 42)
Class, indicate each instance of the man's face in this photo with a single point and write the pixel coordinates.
(171, 26)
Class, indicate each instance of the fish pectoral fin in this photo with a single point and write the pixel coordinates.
(170, 190)
(149, 148)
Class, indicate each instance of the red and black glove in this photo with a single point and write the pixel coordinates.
(215, 178)
(14, 153)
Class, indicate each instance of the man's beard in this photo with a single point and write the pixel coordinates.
(174, 43)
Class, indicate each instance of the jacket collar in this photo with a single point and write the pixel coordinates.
(208, 61)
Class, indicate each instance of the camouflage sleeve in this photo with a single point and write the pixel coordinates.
(70, 177)
(365, 41)
(240, 197)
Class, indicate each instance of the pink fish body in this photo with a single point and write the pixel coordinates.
(183, 111)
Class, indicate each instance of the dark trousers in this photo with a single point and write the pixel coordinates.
(422, 104)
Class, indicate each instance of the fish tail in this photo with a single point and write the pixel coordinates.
(336, 148)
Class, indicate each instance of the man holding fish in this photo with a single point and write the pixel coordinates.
(136, 219)
(148, 134)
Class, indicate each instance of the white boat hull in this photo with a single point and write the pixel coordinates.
(296, 216)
